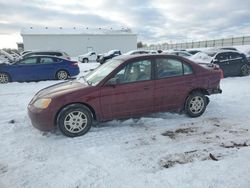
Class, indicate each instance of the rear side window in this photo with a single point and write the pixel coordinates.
(46, 60)
(187, 69)
(234, 55)
(171, 68)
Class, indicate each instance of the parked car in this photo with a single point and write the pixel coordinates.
(3, 60)
(125, 87)
(38, 68)
(85, 58)
(9, 57)
(109, 55)
(232, 63)
(51, 53)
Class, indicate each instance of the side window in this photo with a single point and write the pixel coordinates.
(187, 69)
(29, 61)
(233, 56)
(170, 68)
(222, 57)
(46, 60)
(136, 71)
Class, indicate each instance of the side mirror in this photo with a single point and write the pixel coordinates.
(112, 82)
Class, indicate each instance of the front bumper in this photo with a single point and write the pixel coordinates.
(42, 119)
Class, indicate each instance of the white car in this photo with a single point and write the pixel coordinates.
(85, 58)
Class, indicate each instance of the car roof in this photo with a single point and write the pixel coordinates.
(141, 56)
(51, 56)
(228, 51)
(49, 51)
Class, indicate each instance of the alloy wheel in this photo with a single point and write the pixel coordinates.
(4, 78)
(196, 104)
(62, 75)
(75, 122)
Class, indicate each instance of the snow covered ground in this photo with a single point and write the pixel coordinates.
(161, 150)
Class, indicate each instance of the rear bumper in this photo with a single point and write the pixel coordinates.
(74, 72)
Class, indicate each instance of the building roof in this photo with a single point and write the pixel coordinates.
(74, 31)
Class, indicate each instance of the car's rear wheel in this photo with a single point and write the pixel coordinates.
(74, 120)
(85, 60)
(62, 75)
(4, 78)
(196, 104)
(244, 70)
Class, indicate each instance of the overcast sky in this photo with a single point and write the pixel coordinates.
(155, 21)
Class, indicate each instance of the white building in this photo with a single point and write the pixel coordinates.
(78, 41)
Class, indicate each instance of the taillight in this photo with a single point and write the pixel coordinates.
(74, 63)
(221, 74)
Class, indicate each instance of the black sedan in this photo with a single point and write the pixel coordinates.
(233, 63)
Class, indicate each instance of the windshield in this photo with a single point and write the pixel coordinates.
(94, 77)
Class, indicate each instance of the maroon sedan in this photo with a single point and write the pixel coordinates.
(125, 87)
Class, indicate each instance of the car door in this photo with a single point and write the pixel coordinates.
(236, 61)
(47, 68)
(222, 59)
(174, 79)
(26, 69)
(132, 95)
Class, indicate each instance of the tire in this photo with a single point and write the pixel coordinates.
(244, 70)
(196, 104)
(85, 60)
(74, 120)
(62, 75)
(4, 78)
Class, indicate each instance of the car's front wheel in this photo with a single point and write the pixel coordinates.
(244, 70)
(196, 104)
(74, 120)
(85, 60)
(4, 78)
(62, 75)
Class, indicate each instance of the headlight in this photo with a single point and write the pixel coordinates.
(42, 103)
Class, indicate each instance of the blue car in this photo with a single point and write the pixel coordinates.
(38, 68)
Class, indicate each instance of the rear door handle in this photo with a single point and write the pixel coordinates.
(146, 88)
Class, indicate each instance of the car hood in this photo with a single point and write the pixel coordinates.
(61, 88)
